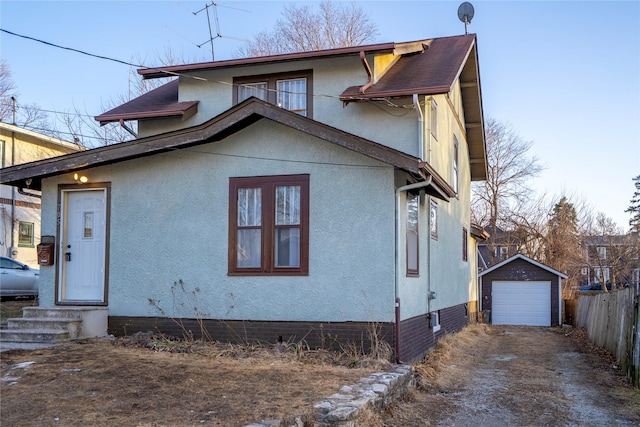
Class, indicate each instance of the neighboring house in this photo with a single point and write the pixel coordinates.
(20, 210)
(499, 246)
(521, 291)
(311, 196)
(611, 260)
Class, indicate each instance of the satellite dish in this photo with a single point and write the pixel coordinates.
(465, 14)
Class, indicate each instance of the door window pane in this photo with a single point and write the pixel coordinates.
(88, 225)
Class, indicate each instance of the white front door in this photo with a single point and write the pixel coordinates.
(83, 245)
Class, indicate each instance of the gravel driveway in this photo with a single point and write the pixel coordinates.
(521, 376)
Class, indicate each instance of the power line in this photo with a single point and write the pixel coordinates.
(36, 108)
(97, 56)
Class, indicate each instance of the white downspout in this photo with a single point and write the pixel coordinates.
(416, 103)
(397, 256)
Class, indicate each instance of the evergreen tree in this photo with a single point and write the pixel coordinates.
(634, 208)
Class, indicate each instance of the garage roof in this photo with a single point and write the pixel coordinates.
(527, 259)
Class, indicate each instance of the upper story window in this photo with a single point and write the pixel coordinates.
(501, 252)
(455, 163)
(602, 252)
(433, 118)
(291, 91)
(269, 225)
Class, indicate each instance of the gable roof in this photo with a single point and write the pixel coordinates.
(433, 71)
(6, 129)
(159, 102)
(527, 259)
(216, 129)
(173, 70)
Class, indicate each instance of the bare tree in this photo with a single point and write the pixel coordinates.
(89, 133)
(26, 115)
(303, 29)
(503, 204)
(7, 90)
(612, 255)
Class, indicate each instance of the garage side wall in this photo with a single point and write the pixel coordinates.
(521, 270)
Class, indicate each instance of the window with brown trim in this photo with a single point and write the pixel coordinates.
(465, 244)
(412, 234)
(455, 164)
(291, 91)
(433, 220)
(269, 225)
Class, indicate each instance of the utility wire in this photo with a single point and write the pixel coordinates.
(97, 56)
(161, 69)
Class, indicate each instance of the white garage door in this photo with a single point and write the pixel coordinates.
(521, 303)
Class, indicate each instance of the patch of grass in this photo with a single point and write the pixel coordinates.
(10, 309)
(448, 349)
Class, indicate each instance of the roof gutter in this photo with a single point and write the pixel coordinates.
(399, 191)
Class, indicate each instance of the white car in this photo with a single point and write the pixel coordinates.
(17, 279)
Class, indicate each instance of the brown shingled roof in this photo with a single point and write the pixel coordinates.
(160, 102)
(152, 73)
(432, 71)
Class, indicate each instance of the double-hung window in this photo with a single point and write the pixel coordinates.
(269, 225)
(290, 91)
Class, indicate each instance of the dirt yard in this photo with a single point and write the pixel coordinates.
(481, 376)
(518, 376)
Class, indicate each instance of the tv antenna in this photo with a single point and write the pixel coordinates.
(465, 14)
(214, 6)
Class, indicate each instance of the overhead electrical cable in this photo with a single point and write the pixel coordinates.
(98, 56)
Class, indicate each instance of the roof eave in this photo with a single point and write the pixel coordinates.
(367, 96)
(184, 113)
(172, 71)
(218, 128)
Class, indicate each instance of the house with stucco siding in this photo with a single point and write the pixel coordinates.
(308, 197)
(20, 210)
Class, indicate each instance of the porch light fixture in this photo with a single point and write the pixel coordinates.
(80, 179)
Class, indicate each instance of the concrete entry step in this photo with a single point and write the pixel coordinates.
(54, 324)
(71, 325)
(34, 335)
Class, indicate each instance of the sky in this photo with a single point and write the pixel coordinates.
(563, 75)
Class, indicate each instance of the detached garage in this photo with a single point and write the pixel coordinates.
(521, 291)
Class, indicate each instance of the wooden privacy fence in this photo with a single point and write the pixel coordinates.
(612, 321)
